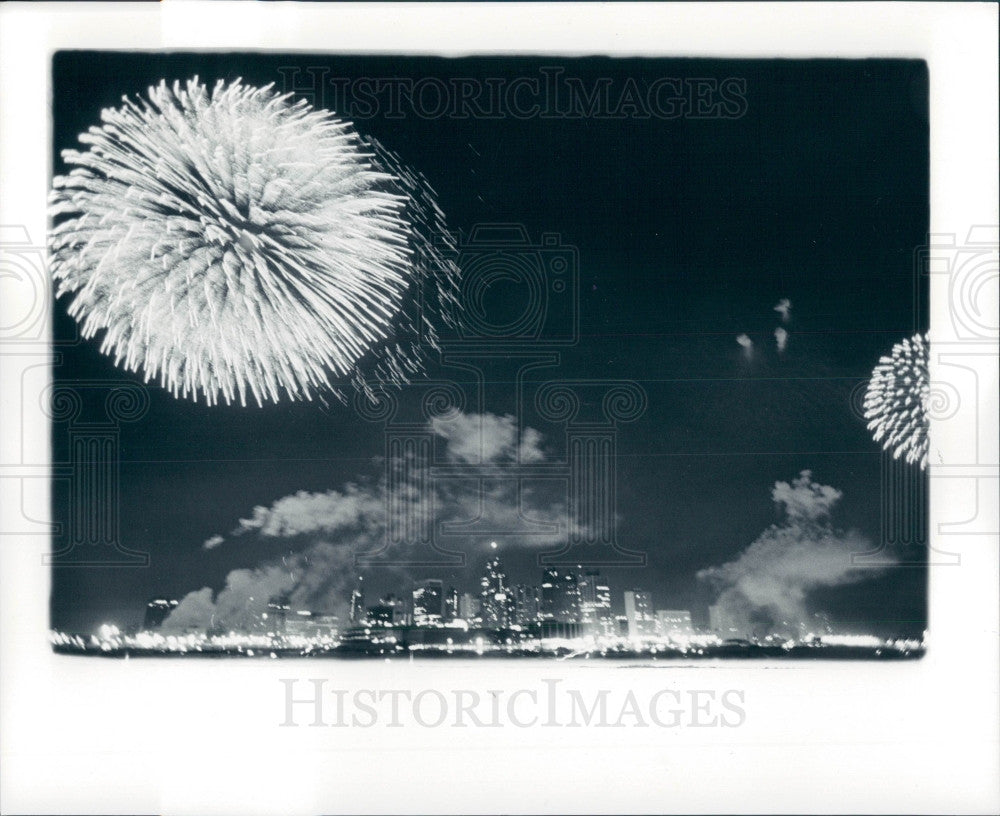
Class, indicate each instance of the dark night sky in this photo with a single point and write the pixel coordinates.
(689, 231)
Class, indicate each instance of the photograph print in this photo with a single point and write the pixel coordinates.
(484, 358)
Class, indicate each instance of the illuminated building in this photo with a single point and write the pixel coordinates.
(397, 607)
(468, 607)
(560, 596)
(428, 602)
(674, 624)
(326, 625)
(602, 609)
(304, 623)
(587, 593)
(595, 605)
(451, 604)
(557, 629)
(157, 611)
(550, 579)
(639, 614)
(495, 597)
(526, 604)
(358, 601)
(379, 615)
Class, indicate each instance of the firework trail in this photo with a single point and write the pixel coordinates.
(896, 401)
(235, 244)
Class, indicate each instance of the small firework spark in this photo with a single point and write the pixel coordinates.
(896, 401)
(235, 244)
(784, 308)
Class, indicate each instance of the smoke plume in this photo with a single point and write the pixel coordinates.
(766, 588)
(781, 337)
(784, 308)
(324, 531)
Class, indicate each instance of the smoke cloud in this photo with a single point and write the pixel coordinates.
(213, 542)
(485, 438)
(328, 512)
(326, 530)
(195, 611)
(766, 588)
(316, 578)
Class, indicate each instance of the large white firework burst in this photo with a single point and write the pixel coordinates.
(896, 401)
(233, 243)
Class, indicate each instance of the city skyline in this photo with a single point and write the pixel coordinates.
(568, 614)
(577, 597)
(721, 272)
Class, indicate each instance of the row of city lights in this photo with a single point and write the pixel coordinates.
(109, 638)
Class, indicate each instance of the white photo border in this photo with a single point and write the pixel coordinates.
(88, 735)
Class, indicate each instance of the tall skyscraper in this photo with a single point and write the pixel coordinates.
(560, 596)
(379, 615)
(602, 609)
(358, 601)
(496, 601)
(428, 602)
(526, 604)
(595, 604)
(549, 589)
(397, 606)
(639, 612)
(586, 583)
(451, 604)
